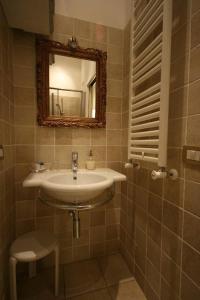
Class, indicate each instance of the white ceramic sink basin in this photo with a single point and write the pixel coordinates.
(85, 187)
(60, 184)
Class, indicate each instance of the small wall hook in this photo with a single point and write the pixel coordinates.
(132, 165)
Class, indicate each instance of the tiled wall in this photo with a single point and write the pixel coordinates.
(7, 219)
(100, 228)
(127, 200)
(165, 243)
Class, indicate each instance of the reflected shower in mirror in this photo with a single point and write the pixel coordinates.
(72, 87)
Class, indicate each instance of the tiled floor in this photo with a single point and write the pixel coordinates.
(106, 278)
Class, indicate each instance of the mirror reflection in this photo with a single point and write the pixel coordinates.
(72, 87)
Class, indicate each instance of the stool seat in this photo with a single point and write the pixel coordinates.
(29, 248)
(33, 246)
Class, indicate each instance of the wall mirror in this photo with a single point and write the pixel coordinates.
(71, 84)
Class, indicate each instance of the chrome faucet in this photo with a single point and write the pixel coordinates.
(74, 164)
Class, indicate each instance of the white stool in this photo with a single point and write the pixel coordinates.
(29, 248)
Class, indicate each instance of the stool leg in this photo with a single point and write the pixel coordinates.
(32, 269)
(56, 270)
(13, 284)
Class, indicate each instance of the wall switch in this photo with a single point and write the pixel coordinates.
(191, 154)
(1, 152)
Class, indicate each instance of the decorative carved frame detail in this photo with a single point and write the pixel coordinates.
(43, 48)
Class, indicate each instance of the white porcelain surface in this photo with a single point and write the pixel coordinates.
(60, 184)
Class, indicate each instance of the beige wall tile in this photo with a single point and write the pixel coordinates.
(192, 173)
(192, 192)
(98, 137)
(113, 121)
(83, 29)
(24, 154)
(195, 6)
(173, 217)
(44, 153)
(174, 191)
(195, 27)
(180, 42)
(7, 203)
(112, 216)
(64, 25)
(154, 254)
(154, 230)
(153, 277)
(188, 289)
(80, 136)
(179, 72)
(195, 64)
(194, 101)
(171, 273)
(112, 231)
(43, 210)
(100, 33)
(189, 234)
(114, 153)
(24, 135)
(24, 77)
(114, 137)
(191, 263)
(115, 54)
(193, 137)
(44, 136)
(114, 71)
(22, 38)
(176, 133)
(97, 234)
(24, 56)
(180, 13)
(63, 136)
(99, 153)
(98, 218)
(155, 206)
(115, 36)
(25, 115)
(178, 103)
(63, 153)
(114, 104)
(25, 209)
(24, 96)
(114, 88)
(24, 226)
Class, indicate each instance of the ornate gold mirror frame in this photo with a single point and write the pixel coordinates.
(46, 47)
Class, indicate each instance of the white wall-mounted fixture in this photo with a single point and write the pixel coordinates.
(163, 173)
(150, 80)
(34, 16)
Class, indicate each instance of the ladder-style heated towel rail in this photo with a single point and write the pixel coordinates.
(151, 24)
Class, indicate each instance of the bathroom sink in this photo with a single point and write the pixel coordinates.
(85, 187)
(60, 185)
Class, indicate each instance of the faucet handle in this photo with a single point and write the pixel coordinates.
(75, 156)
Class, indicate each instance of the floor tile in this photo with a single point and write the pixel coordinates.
(126, 291)
(83, 277)
(114, 269)
(41, 287)
(97, 295)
